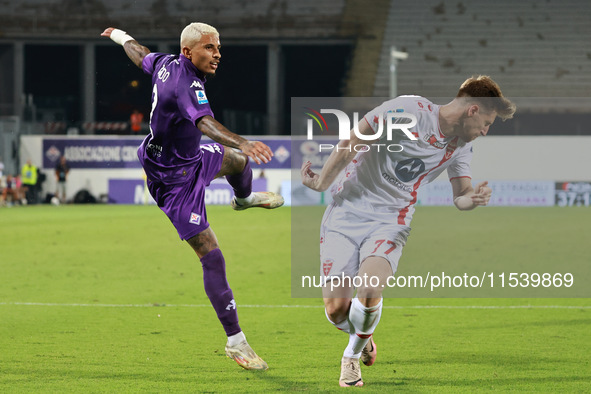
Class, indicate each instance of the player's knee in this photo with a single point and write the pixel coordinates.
(236, 161)
(369, 292)
(204, 242)
(337, 311)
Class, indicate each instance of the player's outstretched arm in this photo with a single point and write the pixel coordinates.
(257, 150)
(133, 49)
(466, 197)
(337, 161)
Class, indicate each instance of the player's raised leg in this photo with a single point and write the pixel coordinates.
(222, 299)
(236, 169)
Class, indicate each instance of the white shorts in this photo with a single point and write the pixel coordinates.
(347, 238)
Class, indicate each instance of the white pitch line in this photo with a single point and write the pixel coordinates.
(299, 306)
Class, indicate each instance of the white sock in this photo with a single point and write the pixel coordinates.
(364, 321)
(245, 200)
(343, 326)
(235, 339)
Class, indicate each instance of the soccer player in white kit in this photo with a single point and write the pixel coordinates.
(374, 191)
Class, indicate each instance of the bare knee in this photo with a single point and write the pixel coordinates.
(376, 270)
(369, 296)
(233, 162)
(337, 309)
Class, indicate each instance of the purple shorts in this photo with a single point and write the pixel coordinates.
(184, 204)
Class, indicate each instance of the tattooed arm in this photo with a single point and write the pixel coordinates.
(219, 133)
(133, 49)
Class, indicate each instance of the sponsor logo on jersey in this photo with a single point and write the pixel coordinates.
(432, 140)
(201, 97)
(409, 169)
(154, 150)
(391, 179)
(195, 218)
(196, 84)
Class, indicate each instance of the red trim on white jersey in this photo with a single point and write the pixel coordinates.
(458, 177)
(369, 124)
(448, 154)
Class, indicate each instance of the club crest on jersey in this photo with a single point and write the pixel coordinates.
(432, 140)
(201, 97)
(327, 266)
(453, 144)
(195, 218)
(196, 84)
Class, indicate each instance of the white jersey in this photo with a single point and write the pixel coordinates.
(383, 185)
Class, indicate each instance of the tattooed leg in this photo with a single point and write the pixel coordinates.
(236, 168)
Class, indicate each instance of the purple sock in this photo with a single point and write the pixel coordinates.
(241, 183)
(219, 292)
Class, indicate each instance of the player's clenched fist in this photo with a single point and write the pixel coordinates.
(481, 194)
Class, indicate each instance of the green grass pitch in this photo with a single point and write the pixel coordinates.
(108, 299)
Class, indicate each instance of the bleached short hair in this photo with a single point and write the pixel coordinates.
(193, 32)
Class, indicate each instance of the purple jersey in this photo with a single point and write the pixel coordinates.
(171, 151)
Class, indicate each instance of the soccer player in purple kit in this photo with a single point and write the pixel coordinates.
(178, 168)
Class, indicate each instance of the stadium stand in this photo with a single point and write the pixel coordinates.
(537, 50)
(262, 18)
(533, 48)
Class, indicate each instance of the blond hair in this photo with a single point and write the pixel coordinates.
(487, 93)
(192, 33)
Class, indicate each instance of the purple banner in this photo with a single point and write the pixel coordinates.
(128, 191)
(131, 191)
(117, 153)
(109, 153)
(282, 154)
